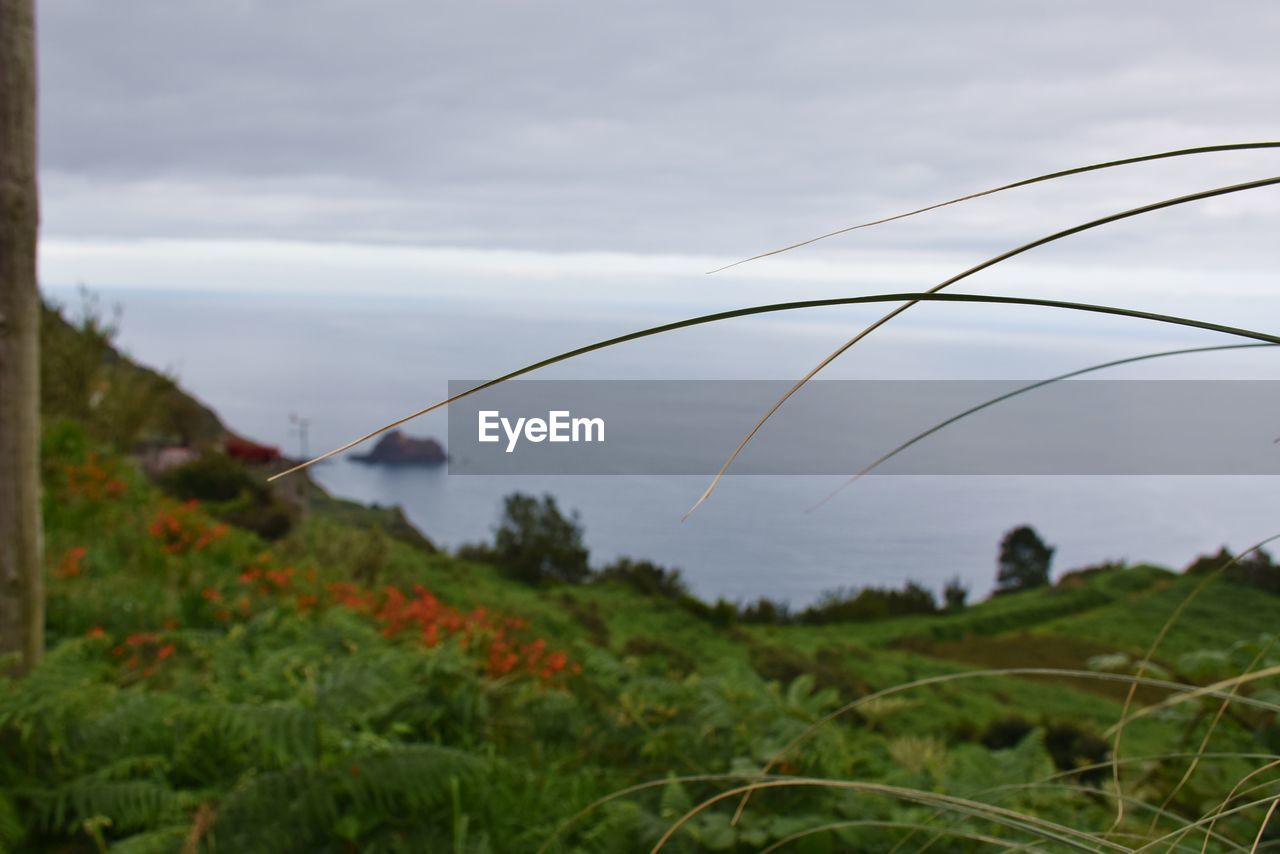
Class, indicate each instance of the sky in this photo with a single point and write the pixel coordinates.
(612, 153)
(545, 162)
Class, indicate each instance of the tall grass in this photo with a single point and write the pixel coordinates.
(1030, 830)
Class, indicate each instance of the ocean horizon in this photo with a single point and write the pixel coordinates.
(350, 364)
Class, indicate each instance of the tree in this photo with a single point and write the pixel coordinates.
(955, 593)
(535, 542)
(1024, 561)
(21, 566)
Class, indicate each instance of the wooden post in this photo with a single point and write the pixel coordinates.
(21, 564)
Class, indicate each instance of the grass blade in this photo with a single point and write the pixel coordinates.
(911, 298)
(1078, 170)
(990, 262)
(1118, 729)
(1067, 836)
(879, 461)
(1179, 689)
(956, 833)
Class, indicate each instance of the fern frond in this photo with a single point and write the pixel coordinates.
(164, 840)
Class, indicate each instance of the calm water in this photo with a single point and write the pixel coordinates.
(349, 364)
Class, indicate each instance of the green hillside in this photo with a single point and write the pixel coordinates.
(341, 685)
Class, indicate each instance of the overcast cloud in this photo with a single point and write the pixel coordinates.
(709, 129)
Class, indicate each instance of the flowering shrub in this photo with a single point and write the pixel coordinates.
(418, 615)
(69, 566)
(146, 651)
(180, 528)
(94, 479)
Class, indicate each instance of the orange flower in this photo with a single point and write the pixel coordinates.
(95, 632)
(70, 567)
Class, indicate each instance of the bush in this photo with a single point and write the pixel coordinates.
(1078, 577)
(646, 577)
(869, 603)
(954, 594)
(1257, 571)
(723, 614)
(476, 552)
(765, 611)
(1006, 733)
(648, 648)
(211, 477)
(1072, 748)
(536, 543)
(269, 518)
(1253, 570)
(232, 494)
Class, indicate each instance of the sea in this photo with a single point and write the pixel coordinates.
(347, 363)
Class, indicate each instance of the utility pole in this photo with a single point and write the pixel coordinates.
(21, 563)
(301, 427)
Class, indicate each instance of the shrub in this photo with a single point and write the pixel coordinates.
(536, 543)
(1206, 564)
(1257, 571)
(870, 603)
(1006, 733)
(477, 552)
(723, 614)
(646, 577)
(1253, 570)
(1072, 747)
(955, 593)
(644, 647)
(767, 612)
(231, 492)
(211, 477)
(1077, 577)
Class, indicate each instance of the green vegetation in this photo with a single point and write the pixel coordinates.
(348, 687)
(343, 687)
(1024, 561)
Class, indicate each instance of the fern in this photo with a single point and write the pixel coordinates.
(162, 840)
(403, 785)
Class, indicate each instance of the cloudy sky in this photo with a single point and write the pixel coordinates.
(519, 145)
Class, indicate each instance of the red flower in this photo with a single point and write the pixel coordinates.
(69, 567)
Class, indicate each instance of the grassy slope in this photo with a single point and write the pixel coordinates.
(661, 690)
(1119, 611)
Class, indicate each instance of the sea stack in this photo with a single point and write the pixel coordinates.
(397, 449)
